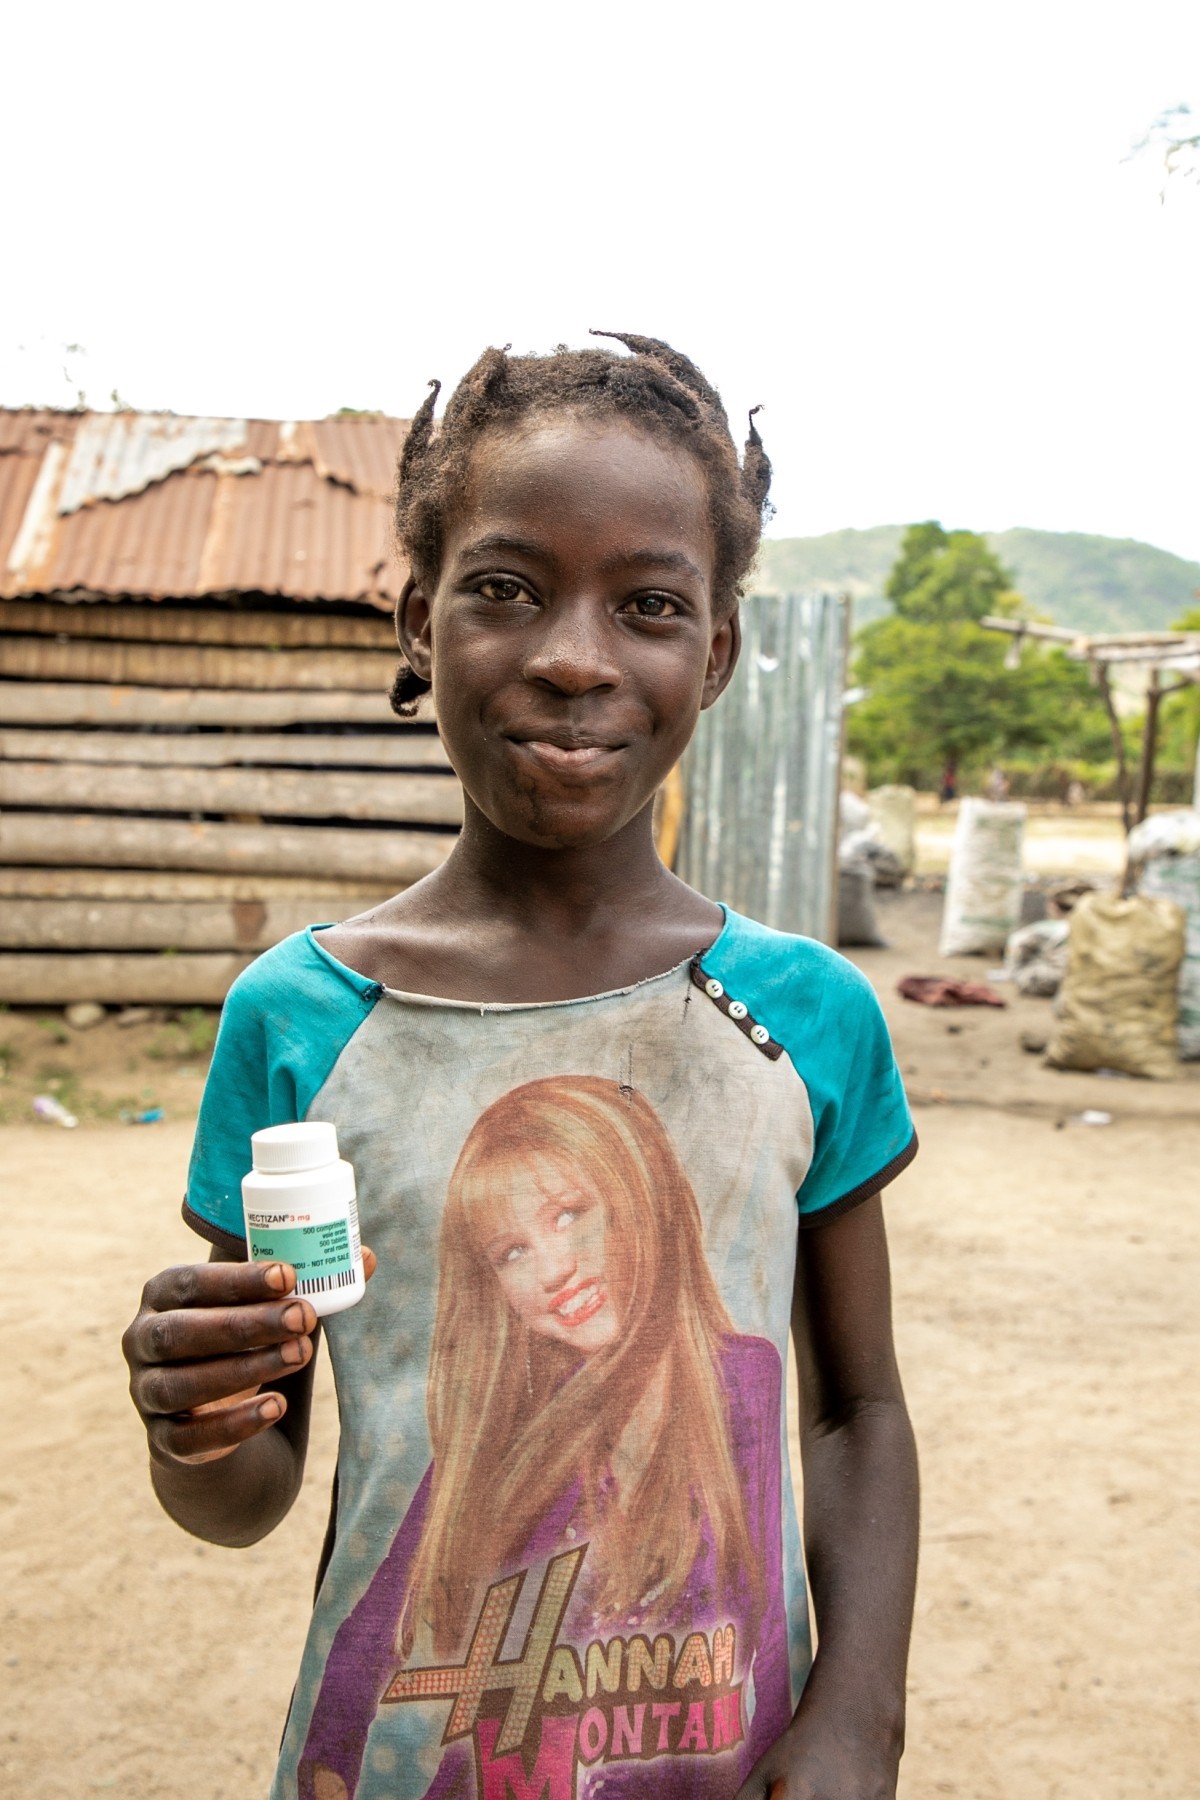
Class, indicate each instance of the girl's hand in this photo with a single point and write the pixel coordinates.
(207, 1338)
(811, 1763)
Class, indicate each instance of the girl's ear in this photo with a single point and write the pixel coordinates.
(413, 622)
(723, 653)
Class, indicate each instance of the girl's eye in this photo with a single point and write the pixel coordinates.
(566, 1218)
(651, 606)
(513, 1254)
(504, 589)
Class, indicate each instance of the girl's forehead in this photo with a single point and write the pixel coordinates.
(521, 1185)
(608, 479)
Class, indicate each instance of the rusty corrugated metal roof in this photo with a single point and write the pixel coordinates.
(154, 506)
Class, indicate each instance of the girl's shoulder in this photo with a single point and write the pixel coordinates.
(297, 974)
(793, 984)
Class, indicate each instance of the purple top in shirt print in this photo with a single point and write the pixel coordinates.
(595, 1418)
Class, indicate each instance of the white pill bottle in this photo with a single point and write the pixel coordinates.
(301, 1208)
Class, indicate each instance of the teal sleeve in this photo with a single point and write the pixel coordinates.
(824, 1013)
(285, 1022)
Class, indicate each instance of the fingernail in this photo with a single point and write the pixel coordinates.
(275, 1278)
(293, 1350)
(271, 1409)
(293, 1318)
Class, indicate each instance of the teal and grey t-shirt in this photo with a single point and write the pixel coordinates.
(566, 1563)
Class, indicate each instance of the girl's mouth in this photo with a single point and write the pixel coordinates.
(563, 757)
(576, 1305)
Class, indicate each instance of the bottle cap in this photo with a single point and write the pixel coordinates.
(285, 1149)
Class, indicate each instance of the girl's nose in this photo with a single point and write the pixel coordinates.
(555, 1264)
(571, 653)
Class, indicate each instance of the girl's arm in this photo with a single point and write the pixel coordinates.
(860, 1522)
(221, 1363)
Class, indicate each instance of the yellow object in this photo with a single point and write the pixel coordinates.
(668, 816)
(1119, 1001)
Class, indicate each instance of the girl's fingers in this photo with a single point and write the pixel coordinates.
(217, 1284)
(167, 1390)
(187, 1335)
(207, 1436)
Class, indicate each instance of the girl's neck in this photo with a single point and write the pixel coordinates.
(504, 921)
(557, 893)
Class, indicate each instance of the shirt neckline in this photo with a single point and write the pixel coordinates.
(402, 995)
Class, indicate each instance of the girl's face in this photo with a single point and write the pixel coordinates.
(547, 1241)
(570, 638)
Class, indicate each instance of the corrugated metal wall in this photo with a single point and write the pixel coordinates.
(763, 770)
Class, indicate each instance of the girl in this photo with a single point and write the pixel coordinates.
(583, 1607)
(573, 1283)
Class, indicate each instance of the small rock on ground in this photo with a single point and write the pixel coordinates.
(84, 1014)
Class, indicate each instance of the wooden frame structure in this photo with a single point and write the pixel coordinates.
(1162, 653)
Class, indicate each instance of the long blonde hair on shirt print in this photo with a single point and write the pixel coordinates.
(575, 1349)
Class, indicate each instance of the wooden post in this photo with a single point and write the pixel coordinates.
(1149, 745)
(1114, 726)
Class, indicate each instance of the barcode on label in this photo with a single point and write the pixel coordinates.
(323, 1284)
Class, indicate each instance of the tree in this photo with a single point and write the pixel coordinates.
(1174, 138)
(937, 687)
(943, 576)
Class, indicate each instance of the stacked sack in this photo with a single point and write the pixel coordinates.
(1119, 1003)
(1164, 861)
(865, 861)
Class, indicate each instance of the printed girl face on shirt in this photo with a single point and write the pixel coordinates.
(547, 1240)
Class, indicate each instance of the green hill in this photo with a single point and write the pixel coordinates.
(1090, 583)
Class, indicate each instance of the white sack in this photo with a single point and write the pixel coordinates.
(1036, 957)
(894, 810)
(1164, 852)
(983, 893)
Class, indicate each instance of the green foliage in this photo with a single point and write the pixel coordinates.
(938, 690)
(1089, 583)
(1038, 780)
(947, 577)
(842, 562)
(1179, 715)
(1098, 583)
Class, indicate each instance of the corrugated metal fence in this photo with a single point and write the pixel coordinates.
(763, 770)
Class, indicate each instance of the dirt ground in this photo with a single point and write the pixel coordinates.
(1046, 1276)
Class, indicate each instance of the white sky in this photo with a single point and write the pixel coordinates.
(906, 227)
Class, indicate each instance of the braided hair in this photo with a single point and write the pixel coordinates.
(655, 388)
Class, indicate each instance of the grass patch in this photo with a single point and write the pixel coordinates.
(190, 1036)
(63, 1083)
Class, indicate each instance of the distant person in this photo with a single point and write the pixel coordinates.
(948, 786)
(610, 1141)
(997, 784)
(1075, 793)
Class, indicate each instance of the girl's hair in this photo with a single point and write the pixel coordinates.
(516, 1420)
(655, 388)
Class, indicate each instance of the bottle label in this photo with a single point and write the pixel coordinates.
(323, 1256)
